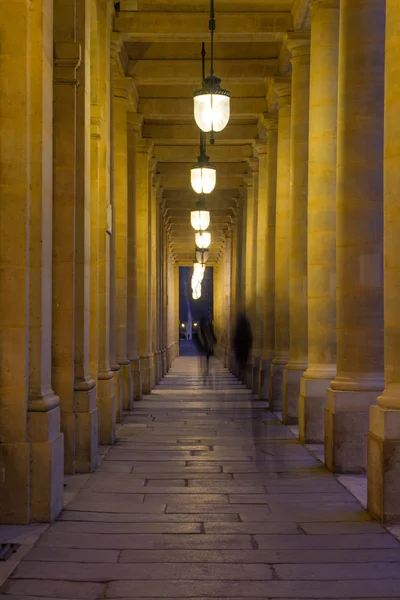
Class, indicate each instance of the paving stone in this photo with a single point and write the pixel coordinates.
(154, 571)
(252, 528)
(327, 541)
(54, 589)
(143, 541)
(179, 517)
(257, 589)
(123, 528)
(73, 555)
(321, 572)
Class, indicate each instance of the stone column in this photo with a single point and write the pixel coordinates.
(251, 259)
(120, 173)
(299, 45)
(134, 127)
(71, 240)
(261, 235)
(144, 148)
(31, 446)
(282, 242)
(105, 379)
(271, 123)
(359, 238)
(321, 255)
(153, 187)
(384, 433)
(234, 266)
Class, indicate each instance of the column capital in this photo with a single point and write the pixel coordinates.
(283, 90)
(67, 60)
(135, 122)
(260, 147)
(253, 164)
(144, 146)
(299, 43)
(248, 181)
(315, 4)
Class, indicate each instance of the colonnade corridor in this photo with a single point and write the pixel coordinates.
(206, 494)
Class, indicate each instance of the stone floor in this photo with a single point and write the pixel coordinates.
(208, 495)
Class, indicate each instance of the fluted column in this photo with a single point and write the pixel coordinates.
(271, 123)
(134, 129)
(359, 238)
(261, 236)
(71, 375)
(384, 433)
(299, 45)
(120, 173)
(282, 242)
(143, 224)
(321, 257)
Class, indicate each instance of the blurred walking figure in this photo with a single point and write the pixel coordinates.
(242, 343)
(207, 340)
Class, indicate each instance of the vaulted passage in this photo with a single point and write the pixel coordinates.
(207, 494)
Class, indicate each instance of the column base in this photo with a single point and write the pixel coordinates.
(152, 372)
(107, 410)
(265, 377)
(290, 394)
(87, 430)
(46, 459)
(312, 401)
(136, 379)
(145, 369)
(346, 429)
(256, 375)
(117, 392)
(158, 366)
(384, 464)
(14, 483)
(126, 400)
(276, 382)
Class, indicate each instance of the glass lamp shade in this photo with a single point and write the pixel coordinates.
(203, 179)
(200, 219)
(212, 106)
(202, 256)
(203, 239)
(198, 271)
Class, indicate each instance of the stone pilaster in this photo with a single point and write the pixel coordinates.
(101, 146)
(143, 224)
(359, 237)
(261, 236)
(71, 241)
(299, 45)
(321, 255)
(271, 123)
(134, 131)
(384, 429)
(251, 262)
(282, 242)
(120, 174)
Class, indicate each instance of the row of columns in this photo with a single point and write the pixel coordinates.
(322, 207)
(89, 297)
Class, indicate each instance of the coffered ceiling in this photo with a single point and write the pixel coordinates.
(161, 51)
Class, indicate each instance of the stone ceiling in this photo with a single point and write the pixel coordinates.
(161, 52)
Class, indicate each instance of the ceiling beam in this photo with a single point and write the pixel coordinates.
(189, 133)
(217, 154)
(182, 108)
(185, 26)
(170, 72)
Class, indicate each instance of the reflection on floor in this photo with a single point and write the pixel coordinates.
(207, 495)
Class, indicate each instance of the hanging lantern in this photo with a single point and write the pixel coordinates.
(203, 176)
(202, 256)
(196, 295)
(203, 239)
(200, 218)
(211, 103)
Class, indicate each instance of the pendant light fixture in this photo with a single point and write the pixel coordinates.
(202, 256)
(203, 175)
(203, 239)
(200, 217)
(211, 103)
